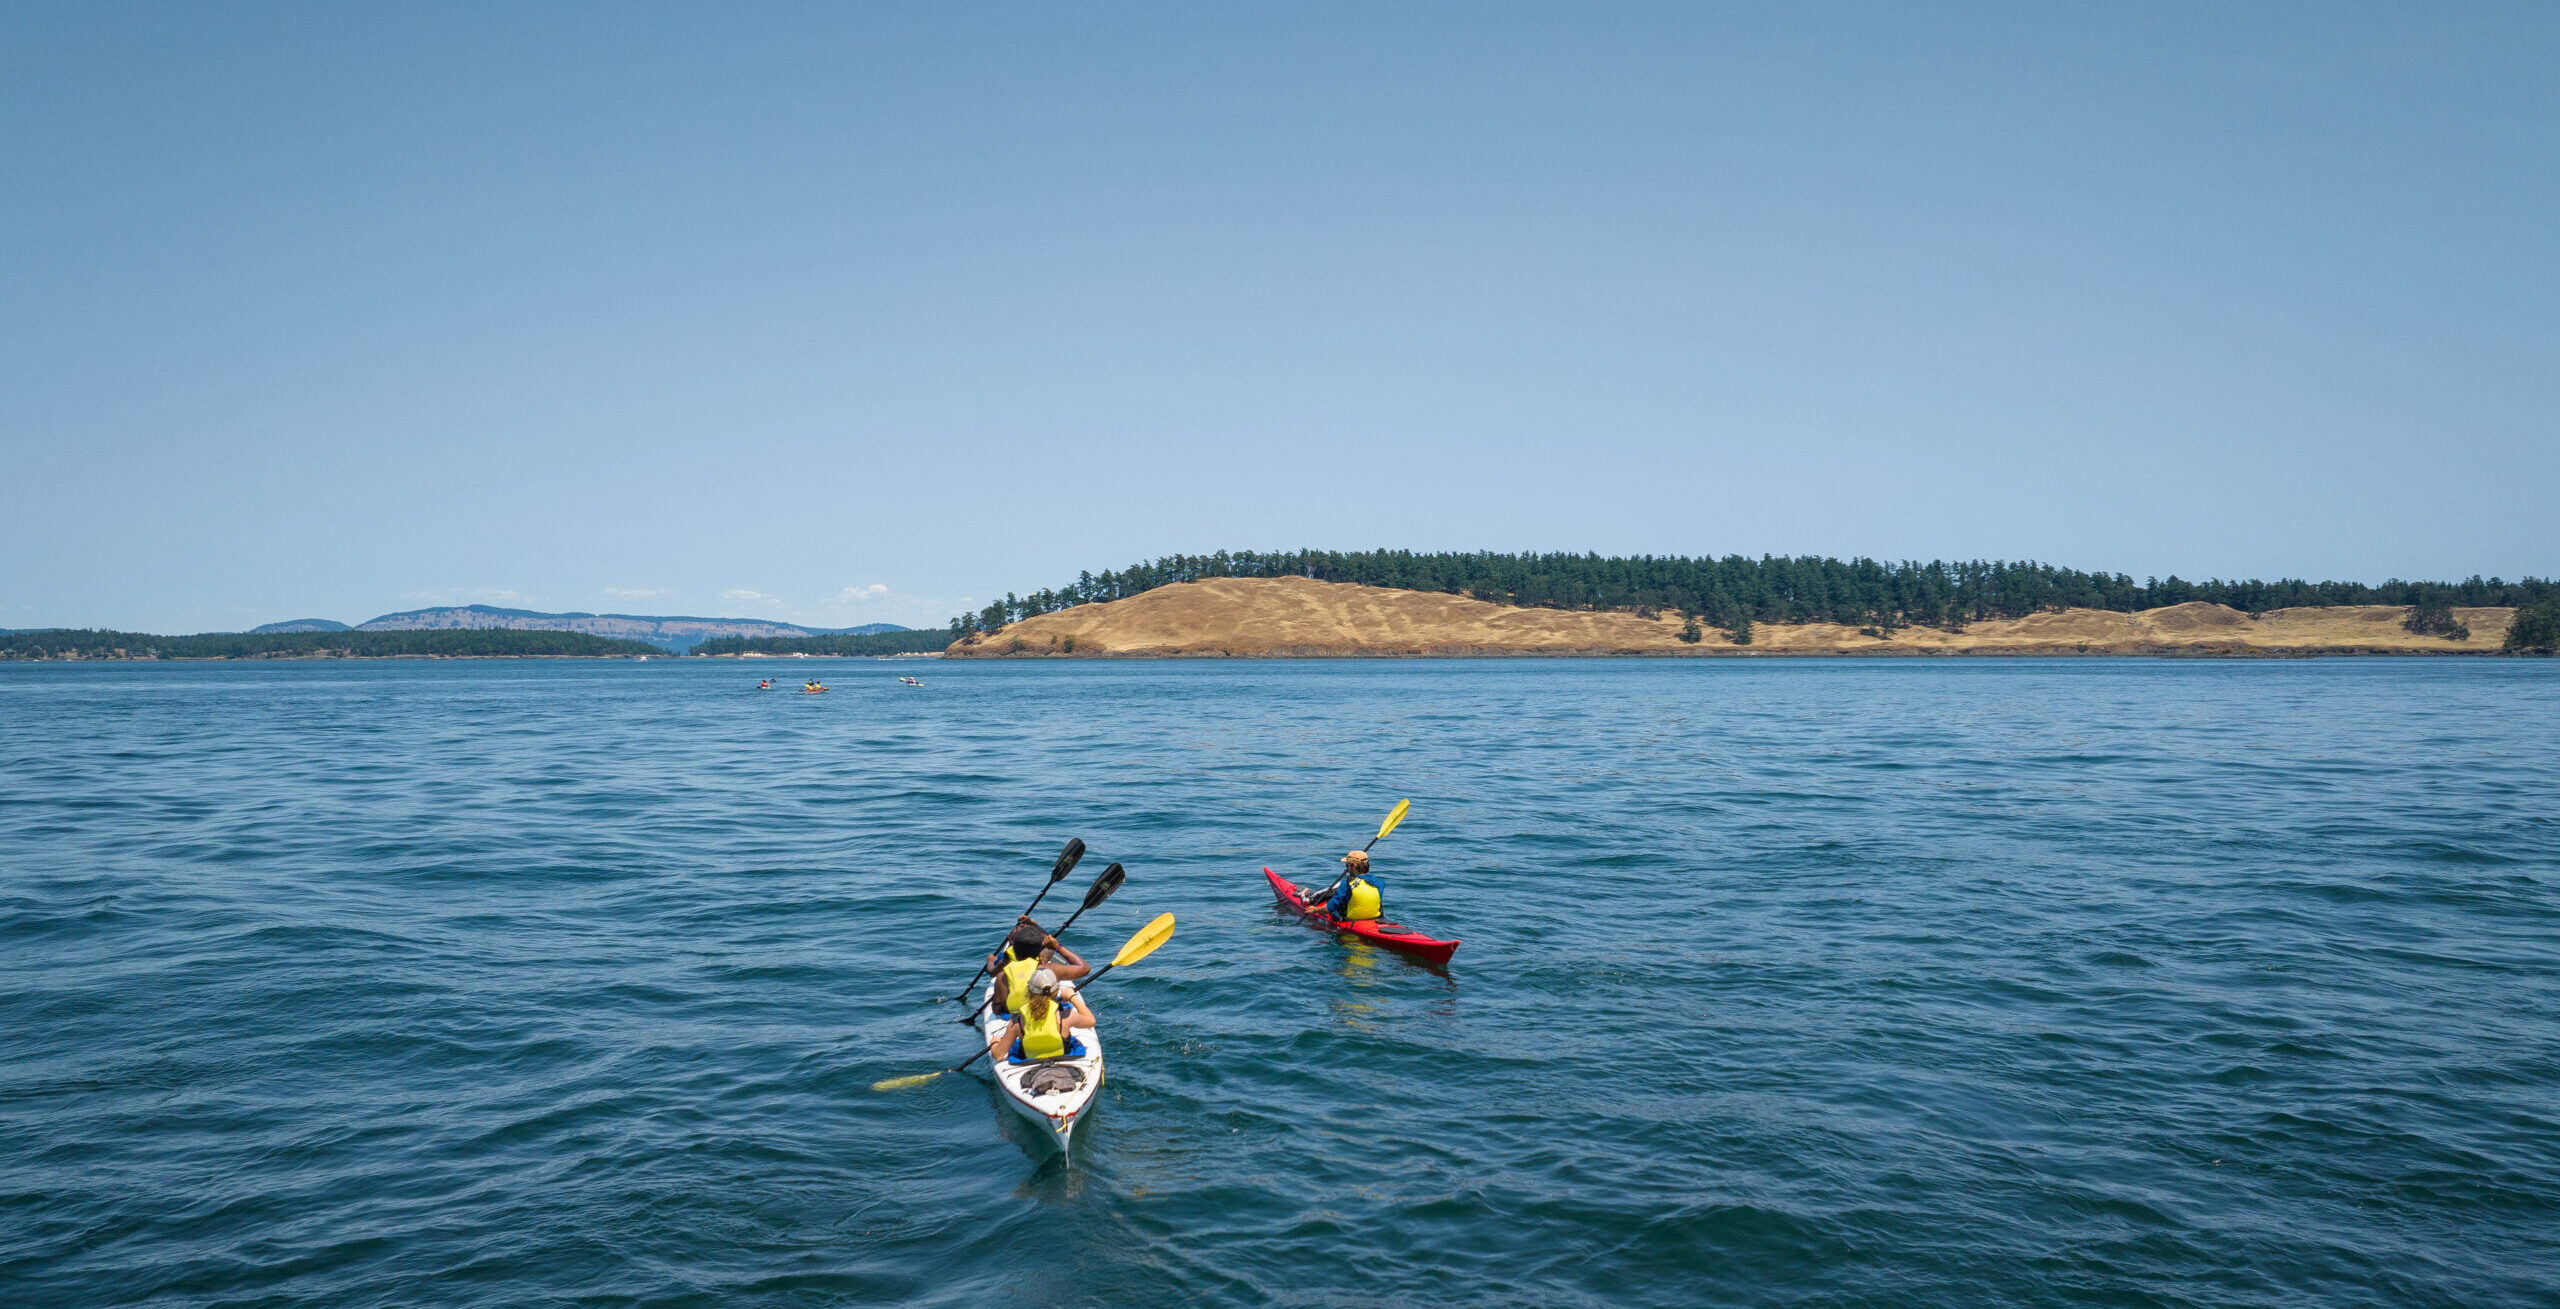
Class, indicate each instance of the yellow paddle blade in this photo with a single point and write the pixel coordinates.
(902, 1083)
(1394, 816)
(1145, 942)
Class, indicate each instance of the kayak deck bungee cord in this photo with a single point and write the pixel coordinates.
(1052, 1094)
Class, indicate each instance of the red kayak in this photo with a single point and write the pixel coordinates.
(1394, 937)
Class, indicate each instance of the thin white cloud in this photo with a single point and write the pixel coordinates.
(634, 592)
(757, 599)
(854, 595)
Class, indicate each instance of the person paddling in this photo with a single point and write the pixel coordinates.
(1029, 950)
(1046, 1023)
(1356, 897)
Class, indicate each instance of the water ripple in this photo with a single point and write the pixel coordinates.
(1825, 983)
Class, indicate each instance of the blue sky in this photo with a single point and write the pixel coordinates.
(856, 314)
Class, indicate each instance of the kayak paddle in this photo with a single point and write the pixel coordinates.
(1066, 864)
(1095, 894)
(1394, 816)
(1141, 944)
(1139, 947)
(1068, 856)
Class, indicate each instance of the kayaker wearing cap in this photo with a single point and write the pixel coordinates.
(1044, 1024)
(1355, 897)
(1027, 950)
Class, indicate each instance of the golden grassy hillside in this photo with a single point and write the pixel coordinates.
(1296, 616)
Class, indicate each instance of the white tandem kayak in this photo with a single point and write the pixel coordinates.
(1054, 1094)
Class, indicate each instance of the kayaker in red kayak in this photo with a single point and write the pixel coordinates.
(1356, 896)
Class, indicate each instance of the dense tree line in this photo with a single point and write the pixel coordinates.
(450, 643)
(2537, 626)
(869, 643)
(1735, 591)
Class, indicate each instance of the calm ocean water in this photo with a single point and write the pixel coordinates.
(1827, 982)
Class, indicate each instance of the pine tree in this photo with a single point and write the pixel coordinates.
(2537, 626)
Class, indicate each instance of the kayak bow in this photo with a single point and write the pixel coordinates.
(1393, 936)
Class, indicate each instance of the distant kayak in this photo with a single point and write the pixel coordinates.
(1391, 935)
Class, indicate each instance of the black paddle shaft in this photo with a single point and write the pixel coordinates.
(1067, 857)
(1095, 894)
(1373, 841)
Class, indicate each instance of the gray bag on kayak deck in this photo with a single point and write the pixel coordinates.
(1052, 1079)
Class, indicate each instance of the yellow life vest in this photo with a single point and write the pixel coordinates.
(1046, 1037)
(1017, 982)
(1364, 901)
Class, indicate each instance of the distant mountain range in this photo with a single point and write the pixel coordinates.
(679, 634)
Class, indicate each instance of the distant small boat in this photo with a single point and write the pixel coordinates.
(911, 681)
(813, 688)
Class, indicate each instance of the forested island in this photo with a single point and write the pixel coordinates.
(1776, 603)
(867, 643)
(1735, 593)
(2536, 627)
(673, 633)
(1300, 617)
(480, 643)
